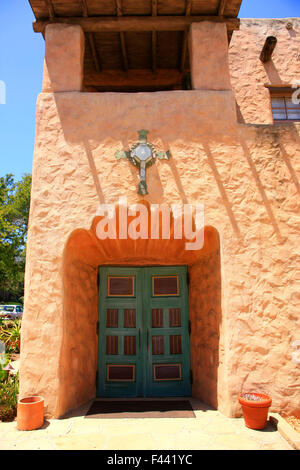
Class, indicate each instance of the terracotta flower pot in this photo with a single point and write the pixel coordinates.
(30, 413)
(255, 411)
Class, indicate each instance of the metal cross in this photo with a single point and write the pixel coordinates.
(142, 154)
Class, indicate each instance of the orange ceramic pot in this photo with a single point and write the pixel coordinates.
(255, 412)
(30, 413)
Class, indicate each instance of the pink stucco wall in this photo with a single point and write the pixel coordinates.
(249, 74)
(245, 303)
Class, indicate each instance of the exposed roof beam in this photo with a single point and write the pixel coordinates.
(188, 9)
(154, 37)
(268, 49)
(154, 46)
(134, 78)
(124, 50)
(119, 7)
(91, 40)
(222, 7)
(136, 23)
(93, 49)
(85, 11)
(122, 36)
(154, 7)
(50, 8)
(184, 50)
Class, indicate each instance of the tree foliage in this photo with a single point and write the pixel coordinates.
(14, 212)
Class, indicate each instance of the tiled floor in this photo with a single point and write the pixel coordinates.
(210, 430)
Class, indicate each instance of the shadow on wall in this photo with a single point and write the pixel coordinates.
(107, 120)
(287, 160)
(94, 133)
(261, 189)
(272, 73)
(223, 193)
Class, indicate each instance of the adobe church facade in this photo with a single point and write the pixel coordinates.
(147, 317)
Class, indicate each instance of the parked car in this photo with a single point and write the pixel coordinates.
(11, 311)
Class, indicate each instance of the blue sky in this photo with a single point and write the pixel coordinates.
(21, 65)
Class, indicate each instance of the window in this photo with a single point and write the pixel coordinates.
(284, 109)
(284, 106)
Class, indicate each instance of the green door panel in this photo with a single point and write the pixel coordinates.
(144, 347)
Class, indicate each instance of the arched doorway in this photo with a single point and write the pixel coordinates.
(83, 255)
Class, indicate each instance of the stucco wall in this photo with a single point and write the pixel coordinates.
(249, 74)
(246, 308)
(248, 185)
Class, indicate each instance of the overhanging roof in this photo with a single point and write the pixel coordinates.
(149, 36)
(72, 8)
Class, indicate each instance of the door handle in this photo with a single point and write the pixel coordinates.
(139, 339)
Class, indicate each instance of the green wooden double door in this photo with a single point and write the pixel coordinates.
(144, 345)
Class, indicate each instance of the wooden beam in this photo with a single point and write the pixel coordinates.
(119, 7)
(154, 37)
(135, 23)
(91, 40)
(154, 46)
(268, 49)
(94, 53)
(122, 36)
(222, 7)
(184, 50)
(134, 78)
(84, 7)
(188, 8)
(50, 8)
(124, 51)
(154, 7)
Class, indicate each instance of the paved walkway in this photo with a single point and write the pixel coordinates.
(210, 430)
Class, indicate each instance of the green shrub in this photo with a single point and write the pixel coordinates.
(9, 397)
(7, 413)
(3, 363)
(10, 333)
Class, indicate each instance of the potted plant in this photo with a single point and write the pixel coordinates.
(255, 408)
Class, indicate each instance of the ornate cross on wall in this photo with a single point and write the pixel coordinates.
(142, 154)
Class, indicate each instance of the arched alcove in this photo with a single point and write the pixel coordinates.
(84, 252)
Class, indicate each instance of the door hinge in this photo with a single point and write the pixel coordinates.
(190, 327)
(97, 328)
(96, 378)
(191, 377)
(98, 278)
(187, 278)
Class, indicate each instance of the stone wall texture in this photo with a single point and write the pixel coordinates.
(244, 296)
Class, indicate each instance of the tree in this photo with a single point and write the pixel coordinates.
(14, 212)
